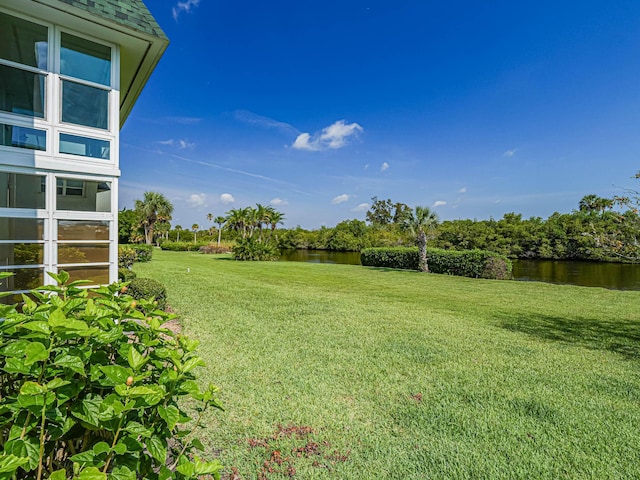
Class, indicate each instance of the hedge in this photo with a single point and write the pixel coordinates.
(464, 263)
(147, 288)
(143, 251)
(182, 246)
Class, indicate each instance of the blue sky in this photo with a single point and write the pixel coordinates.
(474, 108)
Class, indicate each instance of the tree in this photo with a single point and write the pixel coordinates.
(128, 223)
(419, 222)
(380, 212)
(195, 227)
(220, 221)
(153, 208)
(209, 216)
(178, 228)
(275, 219)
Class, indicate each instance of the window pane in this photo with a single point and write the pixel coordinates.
(22, 137)
(21, 254)
(85, 147)
(97, 275)
(83, 230)
(23, 42)
(21, 191)
(21, 228)
(81, 253)
(84, 105)
(84, 59)
(83, 195)
(21, 92)
(23, 279)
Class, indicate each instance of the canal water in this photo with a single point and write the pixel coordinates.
(619, 276)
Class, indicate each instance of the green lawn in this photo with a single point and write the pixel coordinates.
(404, 375)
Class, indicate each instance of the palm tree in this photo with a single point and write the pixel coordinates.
(220, 221)
(177, 229)
(153, 208)
(209, 216)
(275, 219)
(419, 221)
(195, 227)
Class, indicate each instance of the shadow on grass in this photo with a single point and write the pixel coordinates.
(621, 337)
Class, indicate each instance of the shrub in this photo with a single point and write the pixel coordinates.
(144, 251)
(181, 246)
(146, 288)
(127, 256)
(93, 388)
(215, 248)
(250, 249)
(464, 263)
(125, 275)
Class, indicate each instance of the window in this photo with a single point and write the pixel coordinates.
(86, 230)
(21, 229)
(85, 105)
(22, 91)
(84, 59)
(22, 137)
(83, 195)
(21, 191)
(85, 147)
(23, 42)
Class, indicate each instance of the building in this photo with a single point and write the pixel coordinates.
(70, 73)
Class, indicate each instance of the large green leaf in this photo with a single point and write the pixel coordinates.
(71, 361)
(92, 473)
(88, 411)
(135, 359)
(116, 374)
(169, 414)
(58, 475)
(35, 352)
(151, 394)
(32, 388)
(15, 348)
(28, 447)
(122, 473)
(10, 463)
(157, 448)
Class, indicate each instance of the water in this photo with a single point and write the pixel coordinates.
(619, 276)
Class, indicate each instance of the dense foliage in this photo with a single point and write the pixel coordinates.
(141, 288)
(92, 387)
(469, 263)
(181, 246)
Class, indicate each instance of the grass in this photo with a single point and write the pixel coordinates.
(340, 371)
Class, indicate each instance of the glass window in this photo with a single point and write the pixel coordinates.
(81, 253)
(21, 191)
(85, 147)
(83, 230)
(84, 105)
(98, 275)
(21, 229)
(23, 42)
(23, 279)
(81, 58)
(21, 253)
(21, 92)
(83, 195)
(22, 137)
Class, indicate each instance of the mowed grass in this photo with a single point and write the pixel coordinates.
(407, 375)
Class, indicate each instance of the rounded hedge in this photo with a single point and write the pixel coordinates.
(147, 288)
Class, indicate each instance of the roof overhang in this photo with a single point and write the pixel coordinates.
(140, 52)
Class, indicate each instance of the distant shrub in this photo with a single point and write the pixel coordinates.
(147, 288)
(250, 249)
(215, 248)
(144, 251)
(464, 263)
(124, 274)
(182, 246)
(127, 256)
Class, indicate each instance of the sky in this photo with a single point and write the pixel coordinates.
(475, 109)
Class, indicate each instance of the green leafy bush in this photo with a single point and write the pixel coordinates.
(181, 246)
(93, 387)
(127, 256)
(250, 249)
(464, 263)
(144, 252)
(147, 288)
(126, 275)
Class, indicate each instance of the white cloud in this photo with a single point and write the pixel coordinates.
(185, 6)
(332, 137)
(181, 144)
(340, 199)
(439, 203)
(363, 207)
(384, 166)
(264, 122)
(463, 190)
(278, 201)
(510, 153)
(227, 198)
(197, 200)
(184, 144)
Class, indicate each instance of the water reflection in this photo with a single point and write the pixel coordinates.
(619, 276)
